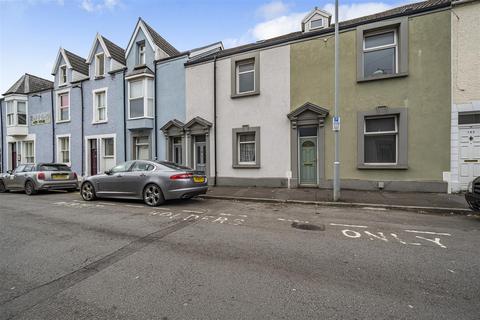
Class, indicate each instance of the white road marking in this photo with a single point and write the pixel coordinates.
(380, 236)
(347, 225)
(133, 206)
(159, 208)
(374, 208)
(355, 234)
(192, 211)
(108, 204)
(225, 214)
(243, 215)
(436, 241)
(451, 270)
(429, 232)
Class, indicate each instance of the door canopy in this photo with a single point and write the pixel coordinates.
(308, 114)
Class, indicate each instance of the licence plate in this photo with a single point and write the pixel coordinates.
(59, 176)
(198, 179)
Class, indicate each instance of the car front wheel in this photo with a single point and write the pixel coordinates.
(30, 188)
(88, 192)
(152, 195)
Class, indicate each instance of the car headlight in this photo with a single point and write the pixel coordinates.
(470, 186)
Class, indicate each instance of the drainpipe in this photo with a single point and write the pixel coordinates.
(83, 138)
(155, 107)
(215, 119)
(124, 119)
(1, 139)
(53, 125)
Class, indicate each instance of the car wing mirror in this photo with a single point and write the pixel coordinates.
(9, 171)
(108, 172)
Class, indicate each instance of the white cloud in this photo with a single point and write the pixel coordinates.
(356, 10)
(278, 21)
(96, 6)
(273, 9)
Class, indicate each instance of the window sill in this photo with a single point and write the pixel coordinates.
(144, 117)
(100, 122)
(99, 77)
(62, 85)
(246, 166)
(62, 121)
(382, 167)
(382, 77)
(246, 94)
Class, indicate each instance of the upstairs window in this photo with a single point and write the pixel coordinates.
(99, 65)
(246, 76)
(315, 24)
(63, 107)
(141, 53)
(100, 106)
(16, 113)
(63, 75)
(140, 98)
(380, 53)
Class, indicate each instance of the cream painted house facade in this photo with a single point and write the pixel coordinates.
(465, 116)
(253, 130)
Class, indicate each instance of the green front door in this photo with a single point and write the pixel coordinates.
(308, 161)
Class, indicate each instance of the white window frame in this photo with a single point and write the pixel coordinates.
(141, 53)
(62, 75)
(135, 144)
(254, 141)
(57, 111)
(380, 133)
(100, 150)
(237, 74)
(145, 98)
(386, 46)
(96, 113)
(97, 64)
(14, 102)
(24, 147)
(59, 151)
(319, 27)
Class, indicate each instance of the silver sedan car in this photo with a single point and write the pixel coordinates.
(152, 181)
(32, 178)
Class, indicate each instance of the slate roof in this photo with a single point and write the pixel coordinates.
(161, 42)
(140, 70)
(405, 10)
(78, 63)
(116, 52)
(28, 84)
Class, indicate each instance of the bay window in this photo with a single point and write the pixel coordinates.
(16, 113)
(140, 98)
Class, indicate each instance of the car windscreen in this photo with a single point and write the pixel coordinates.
(172, 165)
(53, 167)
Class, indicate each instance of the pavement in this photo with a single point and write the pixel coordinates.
(63, 258)
(412, 201)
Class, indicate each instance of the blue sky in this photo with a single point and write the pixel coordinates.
(31, 31)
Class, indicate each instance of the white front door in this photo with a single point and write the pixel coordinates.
(469, 155)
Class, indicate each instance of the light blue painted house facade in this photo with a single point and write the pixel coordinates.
(115, 105)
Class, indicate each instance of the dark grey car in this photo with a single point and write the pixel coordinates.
(36, 177)
(152, 181)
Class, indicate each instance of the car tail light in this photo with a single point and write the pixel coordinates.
(75, 176)
(181, 176)
(41, 176)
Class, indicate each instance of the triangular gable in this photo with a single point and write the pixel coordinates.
(200, 121)
(140, 25)
(98, 39)
(61, 54)
(321, 12)
(308, 107)
(172, 123)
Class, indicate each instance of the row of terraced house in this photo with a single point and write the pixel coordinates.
(261, 114)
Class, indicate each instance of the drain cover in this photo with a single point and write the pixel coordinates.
(308, 226)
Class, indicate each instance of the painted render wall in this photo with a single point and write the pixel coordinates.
(465, 77)
(425, 92)
(268, 110)
(113, 83)
(170, 97)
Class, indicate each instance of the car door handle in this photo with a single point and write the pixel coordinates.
(143, 175)
(119, 176)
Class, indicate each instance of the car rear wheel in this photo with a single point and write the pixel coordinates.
(152, 195)
(2, 187)
(30, 188)
(474, 206)
(88, 192)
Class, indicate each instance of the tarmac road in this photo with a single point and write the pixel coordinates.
(62, 258)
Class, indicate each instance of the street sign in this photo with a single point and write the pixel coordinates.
(336, 123)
